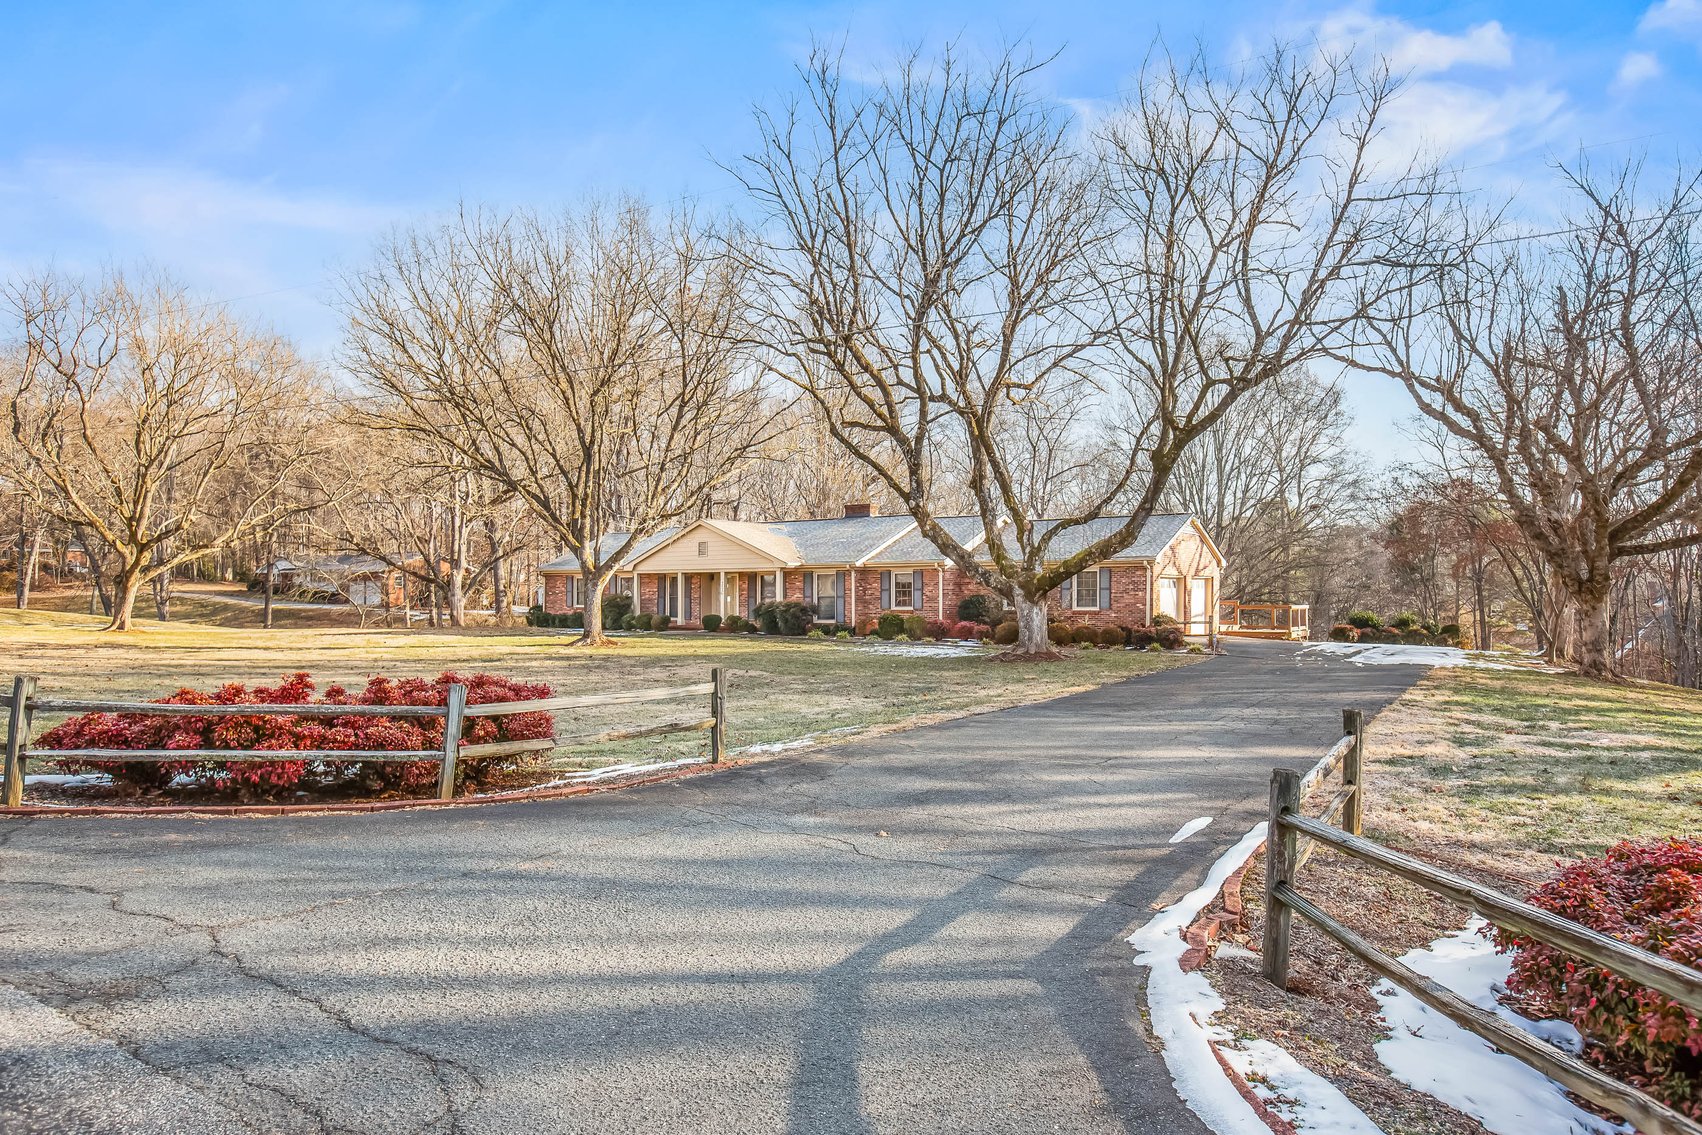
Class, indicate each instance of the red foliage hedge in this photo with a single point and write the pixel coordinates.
(1649, 895)
(153, 731)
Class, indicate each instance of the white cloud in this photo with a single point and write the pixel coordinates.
(1414, 50)
(1681, 16)
(1637, 68)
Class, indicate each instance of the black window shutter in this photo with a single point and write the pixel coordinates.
(916, 590)
(809, 587)
(1065, 590)
(886, 590)
(839, 596)
(1104, 589)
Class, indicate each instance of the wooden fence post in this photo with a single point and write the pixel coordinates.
(454, 715)
(1353, 769)
(717, 710)
(17, 740)
(1281, 844)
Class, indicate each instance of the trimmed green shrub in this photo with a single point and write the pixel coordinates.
(1142, 637)
(712, 623)
(1085, 636)
(1005, 634)
(616, 607)
(916, 627)
(1113, 636)
(1060, 634)
(1364, 620)
(733, 624)
(573, 620)
(980, 608)
(890, 625)
(661, 622)
(630, 622)
(533, 614)
(1405, 621)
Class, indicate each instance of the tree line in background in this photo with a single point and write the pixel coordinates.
(947, 295)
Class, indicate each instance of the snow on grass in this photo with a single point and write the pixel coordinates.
(1190, 828)
(68, 779)
(1307, 1100)
(1394, 654)
(1181, 1005)
(945, 648)
(803, 742)
(1430, 1053)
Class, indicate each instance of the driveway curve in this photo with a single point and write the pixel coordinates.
(918, 933)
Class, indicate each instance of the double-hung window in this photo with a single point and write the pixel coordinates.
(903, 591)
(827, 602)
(1085, 593)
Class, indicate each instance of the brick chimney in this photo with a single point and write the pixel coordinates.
(858, 508)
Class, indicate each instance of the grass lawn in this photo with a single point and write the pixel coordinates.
(777, 689)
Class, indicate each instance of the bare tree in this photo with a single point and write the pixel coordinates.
(970, 298)
(161, 426)
(589, 364)
(1567, 364)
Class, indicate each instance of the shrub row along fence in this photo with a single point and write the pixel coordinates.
(24, 704)
(1284, 857)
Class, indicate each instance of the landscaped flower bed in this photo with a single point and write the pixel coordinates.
(271, 778)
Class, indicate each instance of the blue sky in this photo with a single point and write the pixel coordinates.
(256, 149)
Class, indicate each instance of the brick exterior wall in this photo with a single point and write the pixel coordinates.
(555, 595)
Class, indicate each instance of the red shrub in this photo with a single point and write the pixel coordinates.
(1169, 637)
(145, 731)
(1344, 632)
(936, 629)
(1649, 895)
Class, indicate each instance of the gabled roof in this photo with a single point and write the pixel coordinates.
(887, 539)
(607, 545)
(915, 548)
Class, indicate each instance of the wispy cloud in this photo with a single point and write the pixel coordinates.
(1682, 17)
(1413, 50)
(1637, 68)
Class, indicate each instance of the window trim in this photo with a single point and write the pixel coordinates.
(1075, 590)
(1158, 591)
(832, 578)
(909, 582)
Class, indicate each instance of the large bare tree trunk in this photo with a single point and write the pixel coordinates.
(126, 587)
(593, 634)
(1592, 642)
(1031, 623)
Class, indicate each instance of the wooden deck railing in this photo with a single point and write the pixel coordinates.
(1284, 856)
(23, 704)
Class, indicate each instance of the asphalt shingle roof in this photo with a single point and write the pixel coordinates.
(915, 548)
(841, 540)
(608, 544)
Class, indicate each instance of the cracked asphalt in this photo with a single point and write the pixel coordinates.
(916, 933)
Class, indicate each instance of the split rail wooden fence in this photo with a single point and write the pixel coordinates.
(24, 703)
(1284, 857)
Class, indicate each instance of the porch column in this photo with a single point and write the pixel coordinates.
(779, 584)
(721, 594)
(940, 588)
(679, 611)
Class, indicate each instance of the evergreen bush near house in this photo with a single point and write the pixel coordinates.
(1085, 636)
(574, 620)
(533, 615)
(1364, 620)
(1005, 634)
(752, 626)
(660, 622)
(1649, 895)
(1060, 634)
(1163, 621)
(616, 606)
(795, 616)
(916, 627)
(768, 616)
(1342, 632)
(1113, 636)
(980, 608)
(712, 623)
(1170, 637)
(1405, 621)
(630, 622)
(890, 625)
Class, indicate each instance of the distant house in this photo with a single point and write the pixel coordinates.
(350, 577)
(858, 566)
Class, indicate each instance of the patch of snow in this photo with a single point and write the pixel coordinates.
(1431, 1054)
(1298, 1094)
(945, 648)
(803, 742)
(1190, 828)
(68, 779)
(1394, 654)
(592, 776)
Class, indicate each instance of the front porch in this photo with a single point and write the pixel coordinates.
(1265, 620)
(687, 596)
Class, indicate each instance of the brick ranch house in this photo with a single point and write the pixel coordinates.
(857, 566)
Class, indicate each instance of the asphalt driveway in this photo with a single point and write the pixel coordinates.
(920, 933)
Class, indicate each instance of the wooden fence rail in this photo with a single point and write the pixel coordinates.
(1283, 900)
(22, 705)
